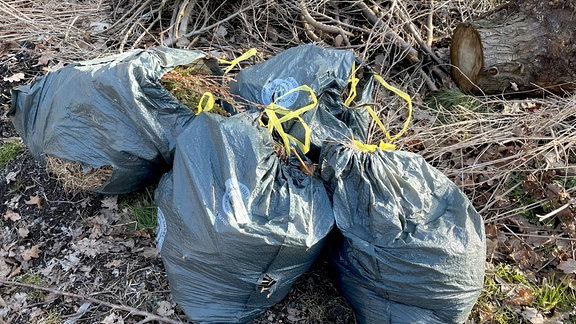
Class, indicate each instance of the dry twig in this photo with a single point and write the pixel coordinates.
(148, 317)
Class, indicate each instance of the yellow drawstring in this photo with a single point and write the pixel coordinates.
(249, 53)
(278, 115)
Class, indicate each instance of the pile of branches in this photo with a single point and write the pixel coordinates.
(406, 40)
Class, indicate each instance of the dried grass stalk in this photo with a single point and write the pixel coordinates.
(483, 145)
(74, 177)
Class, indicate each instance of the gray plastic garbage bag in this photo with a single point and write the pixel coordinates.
(413, 247)
(237, 226)
(326, 71)
(111, 111)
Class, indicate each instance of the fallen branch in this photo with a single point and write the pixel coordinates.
(318, 25)
(413, 30)
(375, 20)
(125, 20)
(216, 24)
(309, 31)
(134, 311)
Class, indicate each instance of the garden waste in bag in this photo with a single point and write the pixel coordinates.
(412, 247)
(237, 225)
(327, 72)
(110, 114)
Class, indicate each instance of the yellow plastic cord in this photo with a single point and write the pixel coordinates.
(402, 95)
(209, 98)
(353, 83)
(371, 148)
(278, 115)
(383, 145)
(249, 53)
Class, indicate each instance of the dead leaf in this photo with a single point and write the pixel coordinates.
(46, 57)
(90, 247)
(35, 315)
(150, 252)
(5, 269)
(113, 264)
(221, 32)
(524, 297)
(110, 202)
(165, 308)
(14, 77)
(568, 266)
(23, 232)
(33, 252)
(12, 215)
(531, 314)
(11, 176)
(35, 200)
(70, 261)
(7, 46)
(113, 319)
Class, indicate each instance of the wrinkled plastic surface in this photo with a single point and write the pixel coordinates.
(413, 247)
(326, 71)
(232, 214)
(109, 111)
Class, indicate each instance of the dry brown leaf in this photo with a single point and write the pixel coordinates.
(568, 266)
(14, 77)
(12, 215)
(7, 46)
(113, 264)
(33, 252)
(5, 269)
(110, 202)
(149, 252)
(113, 319)
(90, 247)
(525, 297)
(532, 315)
(23, 232)
(46, 57)
(35, 200)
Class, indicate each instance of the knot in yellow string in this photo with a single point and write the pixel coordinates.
(383, 145)
(278, 115)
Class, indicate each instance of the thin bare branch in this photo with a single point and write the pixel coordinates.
(131, 310)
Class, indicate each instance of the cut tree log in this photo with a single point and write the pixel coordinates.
(524, 47)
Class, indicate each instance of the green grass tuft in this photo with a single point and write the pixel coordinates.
(9, 151)
(141, 208)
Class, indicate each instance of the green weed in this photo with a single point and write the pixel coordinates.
(54, 316)
(450, 98)
(9, 151)
(453, 106)
(550, 294)
(142, 209)
(36, 295)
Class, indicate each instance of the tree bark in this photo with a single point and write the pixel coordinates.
(524, 47)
